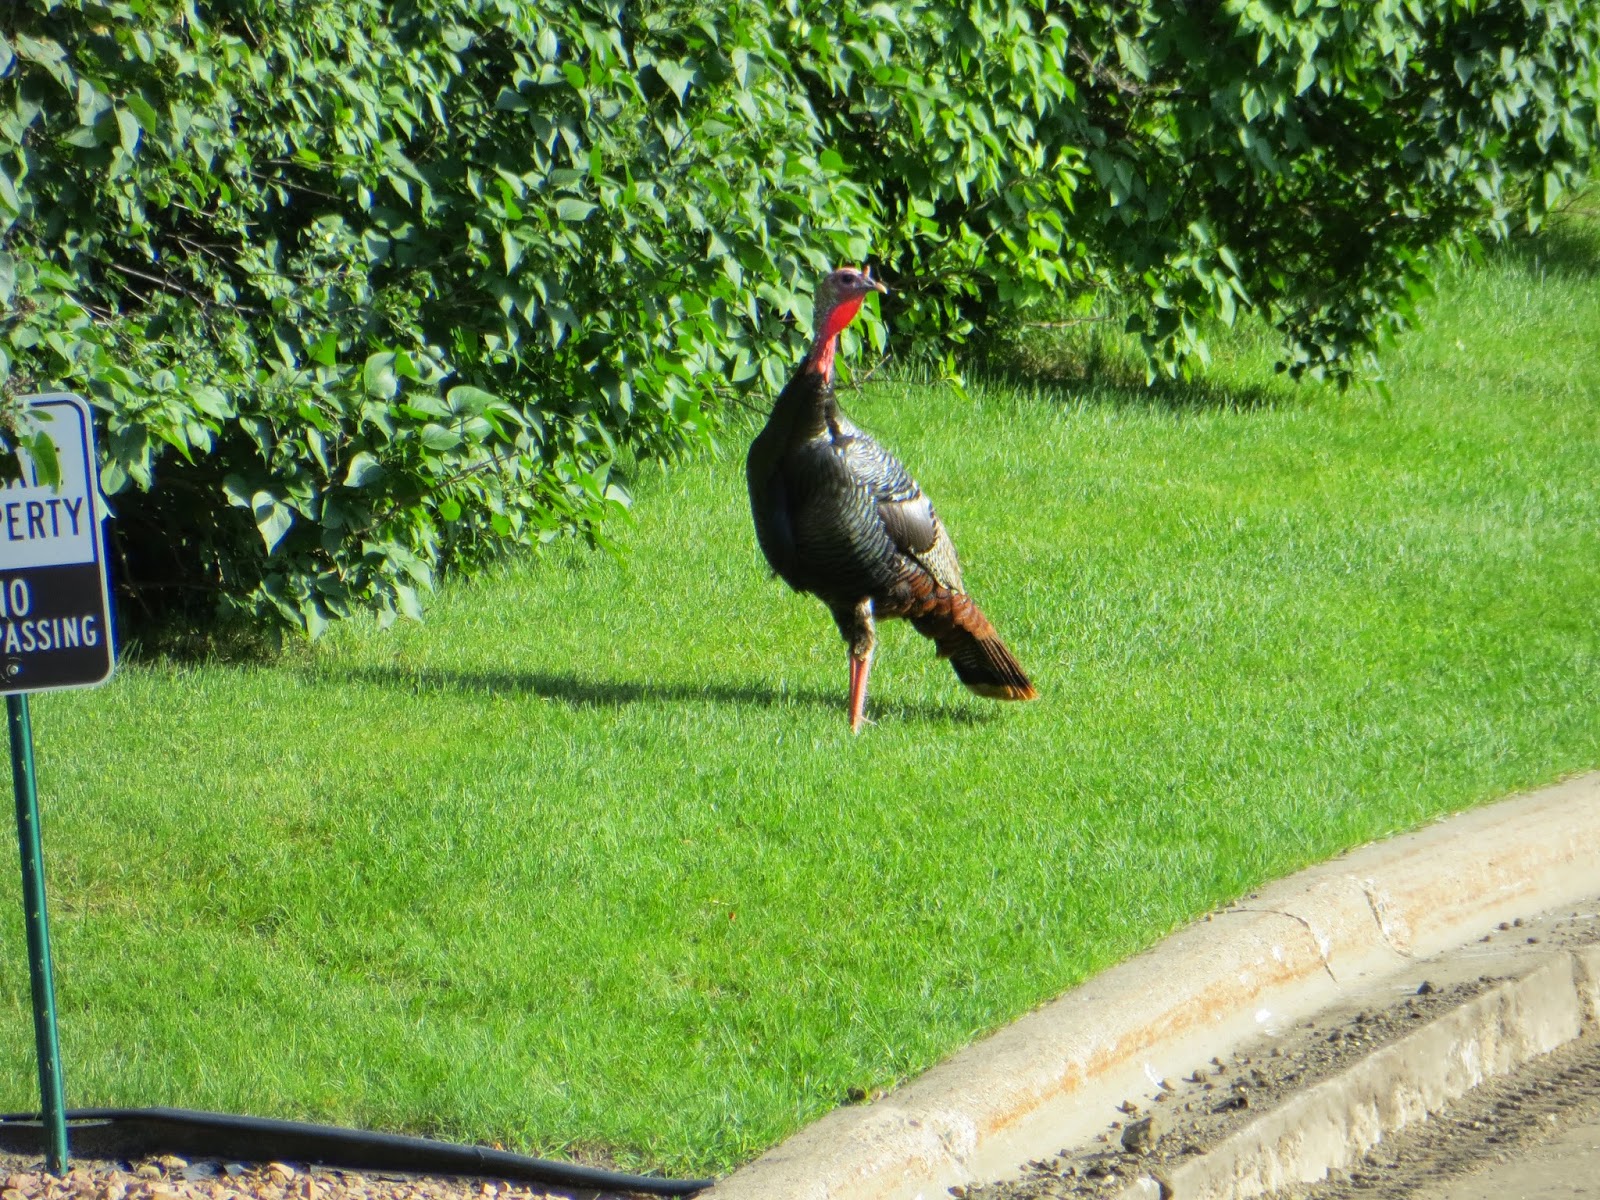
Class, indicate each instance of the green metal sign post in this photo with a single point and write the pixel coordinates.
(55, 632)
(38, 922)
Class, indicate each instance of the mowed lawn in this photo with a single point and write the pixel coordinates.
(590, 863)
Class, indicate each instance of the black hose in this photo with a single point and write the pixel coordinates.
(127, 1133)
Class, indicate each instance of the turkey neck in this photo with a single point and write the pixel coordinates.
(806, 406)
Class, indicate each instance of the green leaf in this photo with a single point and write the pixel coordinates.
(41, 451)
(363, 470)
(437, 437)
(466, 399)
(273, 518)
(406, 598)
(316, 620)
(379, 377)
(325, 349)
(47, 54)
(128, 126)
(1552, 189)
(677, 77)
(571, 210)
(1305, 77)
(510, 101)
(113, 477)
(141, 109)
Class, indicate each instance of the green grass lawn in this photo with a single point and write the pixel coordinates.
(590, 863)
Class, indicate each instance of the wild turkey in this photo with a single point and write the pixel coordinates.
(839, 517)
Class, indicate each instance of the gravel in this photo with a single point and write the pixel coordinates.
(173, 1178)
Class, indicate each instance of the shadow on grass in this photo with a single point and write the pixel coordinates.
(1096, 365)
(1101, 379)
(1568, 246)
(580, 692)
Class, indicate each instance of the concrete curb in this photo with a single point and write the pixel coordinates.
(1051, 1076)
(1332, 1124)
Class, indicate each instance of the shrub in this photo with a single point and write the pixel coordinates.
(366, 292)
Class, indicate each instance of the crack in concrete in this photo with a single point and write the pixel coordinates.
(1321, 943)
(1375, 903)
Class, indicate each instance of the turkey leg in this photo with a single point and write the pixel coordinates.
(862, 636)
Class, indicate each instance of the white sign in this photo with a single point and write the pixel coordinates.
(55, 617)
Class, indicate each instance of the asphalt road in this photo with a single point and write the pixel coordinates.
(1566, 1165)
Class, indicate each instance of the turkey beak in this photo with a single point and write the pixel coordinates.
(877, 284)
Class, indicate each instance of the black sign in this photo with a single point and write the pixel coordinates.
(55, 617)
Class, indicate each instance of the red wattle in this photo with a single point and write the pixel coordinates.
(843, 313)
(827, 339)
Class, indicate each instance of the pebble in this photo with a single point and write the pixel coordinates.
(1140, 1135)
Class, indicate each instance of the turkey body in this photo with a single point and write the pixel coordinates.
(838, 516)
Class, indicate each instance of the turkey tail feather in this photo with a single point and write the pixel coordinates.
(981, 661)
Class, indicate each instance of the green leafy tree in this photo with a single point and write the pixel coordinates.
(363, 291)
(1295, 158)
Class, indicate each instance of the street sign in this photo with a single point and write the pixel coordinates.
(55, 632)
(55, 613)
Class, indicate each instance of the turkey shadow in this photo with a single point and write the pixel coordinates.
(578, 692)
